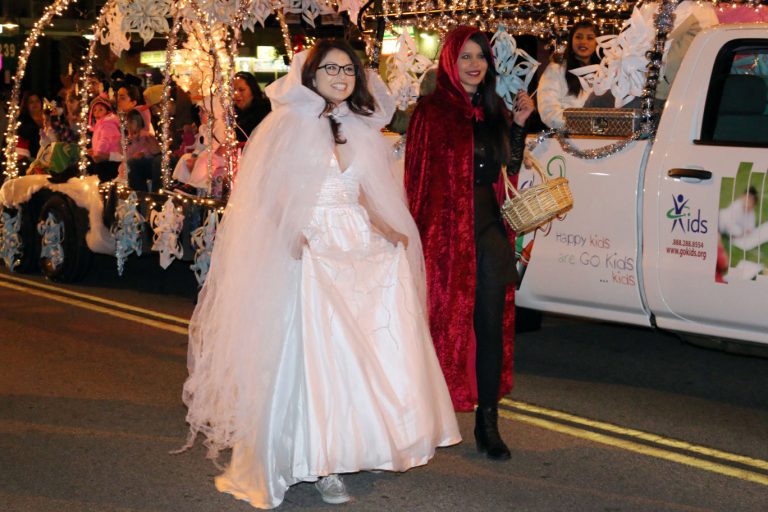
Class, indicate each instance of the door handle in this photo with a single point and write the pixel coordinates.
(698, 174)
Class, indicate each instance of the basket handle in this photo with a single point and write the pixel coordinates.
(508, 186)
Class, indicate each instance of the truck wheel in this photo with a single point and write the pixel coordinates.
(527, 320)
(74, 255)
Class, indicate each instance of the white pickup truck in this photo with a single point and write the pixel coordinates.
(671, 233)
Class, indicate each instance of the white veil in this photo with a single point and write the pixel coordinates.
(246, 312)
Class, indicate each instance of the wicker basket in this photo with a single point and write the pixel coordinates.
(536, 205)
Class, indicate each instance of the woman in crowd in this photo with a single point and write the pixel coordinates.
(457, 141)
(250, 106)
(559, 89)
(32, 121)
(129, 97)
(310, 355)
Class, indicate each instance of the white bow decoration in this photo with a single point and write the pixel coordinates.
(514, 66)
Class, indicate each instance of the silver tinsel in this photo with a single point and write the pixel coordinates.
(664, 21)
(587, 154)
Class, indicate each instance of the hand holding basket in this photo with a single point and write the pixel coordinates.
(534, 206)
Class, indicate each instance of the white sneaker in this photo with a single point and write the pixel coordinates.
(332, 489)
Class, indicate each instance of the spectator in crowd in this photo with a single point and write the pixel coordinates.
(58, 148)
(559, 89)
(129, 97)
(141, 147)
(31, 119)
(250, 105)
(105, 148)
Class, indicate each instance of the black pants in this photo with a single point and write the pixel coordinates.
(144, 173)
(495, 259)
(106, 170)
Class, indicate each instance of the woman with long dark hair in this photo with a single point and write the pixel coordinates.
(309, 349)
(559, 89)
(250, 105)
(458, 139)
(31, 122)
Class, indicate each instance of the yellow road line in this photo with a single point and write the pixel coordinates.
(539, 422)
(100, 309)
(94, 298)
(679, 458)
(639, 434)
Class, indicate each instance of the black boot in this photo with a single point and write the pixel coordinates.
(487, 434)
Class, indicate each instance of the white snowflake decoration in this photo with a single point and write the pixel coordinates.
(514, 66)
(145, 17)
(309, 9)
(623, 61)
(352, 7)
(218, 11)
(405, 71)
(51, 234)
(203, 239)
(127, 230)
(10, 239)
(166, 224)
(258, 12)
(112, 32)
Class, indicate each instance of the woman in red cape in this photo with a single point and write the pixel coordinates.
(457, 139)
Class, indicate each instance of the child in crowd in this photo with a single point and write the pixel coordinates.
(58, 149)
(141, 144)
(105, 145)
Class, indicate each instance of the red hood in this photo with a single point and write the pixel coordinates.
(448, 82)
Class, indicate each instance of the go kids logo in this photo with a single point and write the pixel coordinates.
(681, 217)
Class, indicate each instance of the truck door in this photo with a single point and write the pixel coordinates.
(705, 255)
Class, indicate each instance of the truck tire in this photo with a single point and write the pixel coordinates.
(26, 260)
(74, 225)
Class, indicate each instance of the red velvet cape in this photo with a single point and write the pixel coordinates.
(439, 183)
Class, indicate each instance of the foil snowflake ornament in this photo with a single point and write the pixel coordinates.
(405, 71)
(146, 17)
(515, 67)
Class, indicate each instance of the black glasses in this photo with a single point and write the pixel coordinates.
(333, 69)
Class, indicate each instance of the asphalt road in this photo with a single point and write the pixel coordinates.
(602, 417)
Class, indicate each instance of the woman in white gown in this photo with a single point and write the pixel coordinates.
(309, 350)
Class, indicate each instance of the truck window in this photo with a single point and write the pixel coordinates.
(737, 101)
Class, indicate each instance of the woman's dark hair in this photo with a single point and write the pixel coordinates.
(135, 116)
(253, 85)
(495, 128)
(24, 110)
(360, 101)
(570, 60)
(133, 92)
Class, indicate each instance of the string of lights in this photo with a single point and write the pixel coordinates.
(14, 108)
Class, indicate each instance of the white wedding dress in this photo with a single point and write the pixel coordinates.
(362, 384)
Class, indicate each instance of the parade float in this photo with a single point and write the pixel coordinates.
(57, 226)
